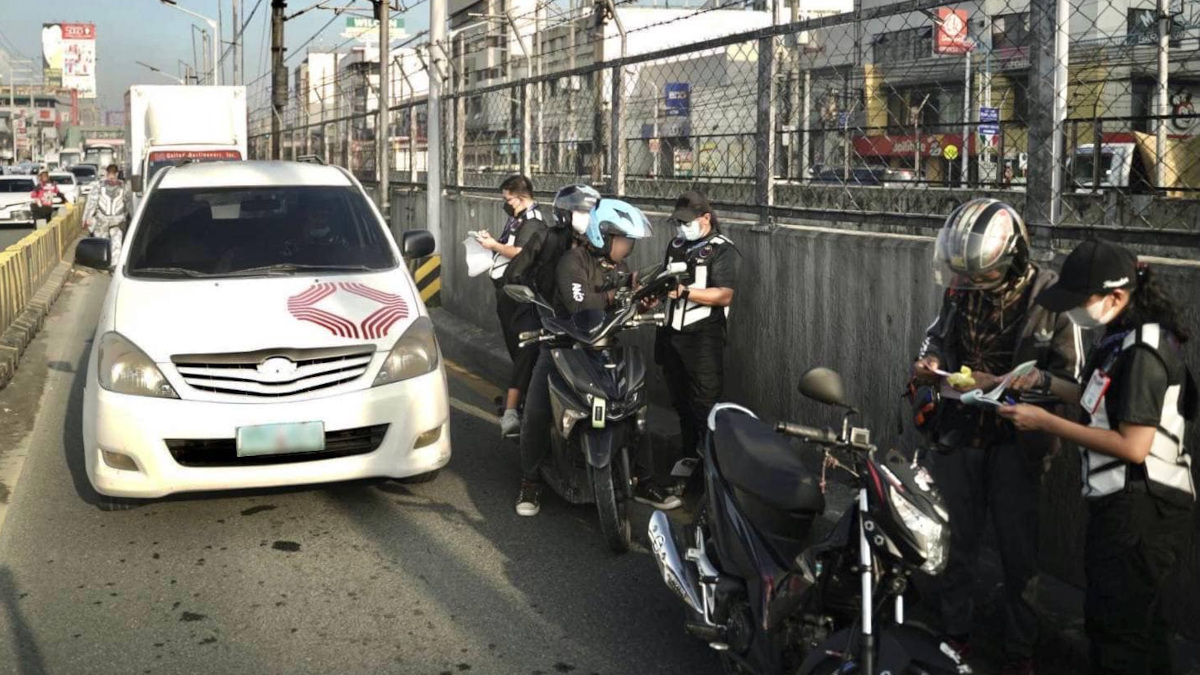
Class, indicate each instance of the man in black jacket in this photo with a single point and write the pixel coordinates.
(990, 324)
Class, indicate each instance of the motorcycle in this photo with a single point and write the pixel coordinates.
(769, 601)
(598, 398)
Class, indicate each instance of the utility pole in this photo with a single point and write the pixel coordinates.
(237, 43)
(383, 141)
(601, 18)
(1164, 95)
(572, 134)
(433, 178)
(279, 76)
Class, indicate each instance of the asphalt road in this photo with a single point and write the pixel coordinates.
(10, 235)
(372, 576)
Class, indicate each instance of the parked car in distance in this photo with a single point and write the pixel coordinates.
(16, 206)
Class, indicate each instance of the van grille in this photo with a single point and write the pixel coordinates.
(223, 451)
(274, 373)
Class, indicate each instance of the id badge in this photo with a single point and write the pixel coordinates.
(1094, 394)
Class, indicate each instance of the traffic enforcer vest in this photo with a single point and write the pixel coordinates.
(1169, 464)
(697, 254)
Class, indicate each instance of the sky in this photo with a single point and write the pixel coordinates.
(146, 30)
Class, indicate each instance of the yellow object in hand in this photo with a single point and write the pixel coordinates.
(962, 379)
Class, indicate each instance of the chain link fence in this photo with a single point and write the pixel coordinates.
(867, 112)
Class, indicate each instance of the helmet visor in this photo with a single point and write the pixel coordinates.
(973, 261)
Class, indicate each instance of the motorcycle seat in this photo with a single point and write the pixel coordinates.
(764, 464)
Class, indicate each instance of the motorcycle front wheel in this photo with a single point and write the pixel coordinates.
(609, 485)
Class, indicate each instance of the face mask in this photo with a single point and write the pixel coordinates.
(690, 231)
(509, 209)
(1091, 316)
(579, 222)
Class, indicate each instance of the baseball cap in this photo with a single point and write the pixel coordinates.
(1095, 267)
(690, 206)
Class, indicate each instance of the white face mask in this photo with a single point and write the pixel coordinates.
(1091, 316)
(690, 231)
(579, 222)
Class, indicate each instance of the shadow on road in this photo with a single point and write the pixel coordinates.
(29, 656)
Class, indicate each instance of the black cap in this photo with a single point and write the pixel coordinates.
(690, 206)
(1095, 267)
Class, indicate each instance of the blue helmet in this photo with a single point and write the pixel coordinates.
(615, 218)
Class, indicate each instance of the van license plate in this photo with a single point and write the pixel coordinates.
(280, 439)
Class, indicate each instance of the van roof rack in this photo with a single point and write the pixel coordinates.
(311, 159)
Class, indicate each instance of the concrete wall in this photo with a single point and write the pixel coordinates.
(854, 301)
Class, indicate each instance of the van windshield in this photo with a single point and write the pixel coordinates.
(259, 231)
(14, 185)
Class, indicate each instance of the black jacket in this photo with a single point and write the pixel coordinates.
(584, 279)
(1046, 337)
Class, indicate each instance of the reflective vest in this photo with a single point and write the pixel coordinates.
(1169, 464)
(509, 237)
(697, 254)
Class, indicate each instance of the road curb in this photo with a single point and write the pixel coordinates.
(25, 328)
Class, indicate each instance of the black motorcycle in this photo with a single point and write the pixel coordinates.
(598, 398)
(769, 601)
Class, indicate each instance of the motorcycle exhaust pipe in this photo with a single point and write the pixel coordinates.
(670, 563)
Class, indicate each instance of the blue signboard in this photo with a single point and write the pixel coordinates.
(989, 121)
(678, 98)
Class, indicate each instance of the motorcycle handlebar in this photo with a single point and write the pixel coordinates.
(535, 340)
(812, 434)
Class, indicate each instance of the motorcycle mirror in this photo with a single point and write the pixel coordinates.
(824, 386)
(522, 294)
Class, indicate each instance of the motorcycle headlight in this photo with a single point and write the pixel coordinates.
(125, 369)
(932, 536)
(415, 353)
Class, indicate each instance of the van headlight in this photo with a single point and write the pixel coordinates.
(125, 369)
(932, 536)
(415, 353)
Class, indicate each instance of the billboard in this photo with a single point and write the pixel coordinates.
(69, 56)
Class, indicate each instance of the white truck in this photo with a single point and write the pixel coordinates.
(170, 124)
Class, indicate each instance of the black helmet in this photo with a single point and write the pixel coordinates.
(981, 245)
(572, 204)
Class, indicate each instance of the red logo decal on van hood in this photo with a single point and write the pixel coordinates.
(392, 308)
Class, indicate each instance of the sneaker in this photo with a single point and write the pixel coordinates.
(529, 500)
(1017, 666)
(649, 492)
(510, 424)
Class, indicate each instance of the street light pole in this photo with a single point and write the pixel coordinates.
(216, 44)
(159, 71)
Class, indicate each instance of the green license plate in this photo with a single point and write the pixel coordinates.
(280, 439)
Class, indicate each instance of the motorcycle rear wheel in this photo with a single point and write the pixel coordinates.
(609, 488)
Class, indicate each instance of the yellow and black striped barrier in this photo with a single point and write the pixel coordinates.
(428, 275)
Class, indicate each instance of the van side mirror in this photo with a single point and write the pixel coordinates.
(824, 386)
(94, 252)
(417, 244)
(136, 183)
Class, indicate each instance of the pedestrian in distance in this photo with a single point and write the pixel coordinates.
(517, 259)
(44, 197)
(1138, 400)
(108, 210)
(690, 348)
(989, 324)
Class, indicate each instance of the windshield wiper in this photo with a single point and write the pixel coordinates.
(292, 268)
(168, 272)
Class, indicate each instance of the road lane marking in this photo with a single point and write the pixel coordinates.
(474, 411)
(476, 383)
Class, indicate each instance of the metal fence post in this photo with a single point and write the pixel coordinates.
(764, 138)
(526, 140)
(616, 145)
(460, 118)
(1044, 180)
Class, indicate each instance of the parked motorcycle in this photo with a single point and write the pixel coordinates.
(772, 602)
(598, 398)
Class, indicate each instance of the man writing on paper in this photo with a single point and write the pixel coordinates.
(515, 256)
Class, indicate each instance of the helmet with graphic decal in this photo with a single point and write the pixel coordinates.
(983, 244)
(572, 206)
(614, 218)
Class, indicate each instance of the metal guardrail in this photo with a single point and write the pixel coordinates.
(26, 265)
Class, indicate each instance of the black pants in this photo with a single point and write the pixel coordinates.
(42, 212)
(535, 426)
(1133, 541)
(1002, 480)
(516, 318)
(693, 365)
